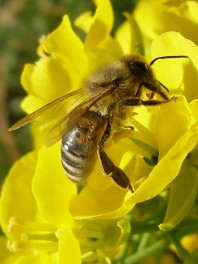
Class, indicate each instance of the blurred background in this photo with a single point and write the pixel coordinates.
(22, 23)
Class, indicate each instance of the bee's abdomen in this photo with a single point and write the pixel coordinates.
(79, 146)
(75, 157)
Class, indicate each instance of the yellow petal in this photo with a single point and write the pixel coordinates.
(125, 230)
(47, 79)
(51, 187)
(128, 36)
(160, 17)
(101, 25)
(168, 167)
(101, 197)
(59, 72)
(194, 109)
(101, 204)
(149, 13)
(5, 257)
(179, 75)
(84, 21)
(69, 250)
(99, 46)
(65, 44)
(173, 120)
(33, 258)
(183, 192)
(16, 196)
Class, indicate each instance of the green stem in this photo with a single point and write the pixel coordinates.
(121, 255)
(151, 250)
(144, 228)
(182, 251)
(1, 233)
(187, 227)
(143, 241)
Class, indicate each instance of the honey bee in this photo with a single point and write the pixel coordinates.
(104, 97)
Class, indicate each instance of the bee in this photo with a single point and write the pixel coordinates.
(103, 98)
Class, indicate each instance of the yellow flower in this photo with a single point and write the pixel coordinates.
(64, 64)
(34, 206)
(60, 68)
(170, 132)
(40, 208)
(39, 228)
(60, 72)
(157, 17)
(5, 256)
(26, 230)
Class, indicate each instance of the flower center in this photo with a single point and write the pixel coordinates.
(31, 236)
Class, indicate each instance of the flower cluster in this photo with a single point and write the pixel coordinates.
(45, 217)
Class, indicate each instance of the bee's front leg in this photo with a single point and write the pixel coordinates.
(138, 101)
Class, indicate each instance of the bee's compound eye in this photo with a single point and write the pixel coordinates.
(138, 67)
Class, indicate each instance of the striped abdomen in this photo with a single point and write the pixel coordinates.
(79, 146)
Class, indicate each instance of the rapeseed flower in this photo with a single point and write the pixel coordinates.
(163, 16)
(41, 209)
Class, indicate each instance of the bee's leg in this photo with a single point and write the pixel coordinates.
(119, 177)
(137, 101)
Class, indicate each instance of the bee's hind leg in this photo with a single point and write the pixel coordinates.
(119, 177)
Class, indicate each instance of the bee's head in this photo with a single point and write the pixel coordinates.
(143, 76)
(138, 66)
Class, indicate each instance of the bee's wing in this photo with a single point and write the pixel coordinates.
(69, 121)
(54, 109)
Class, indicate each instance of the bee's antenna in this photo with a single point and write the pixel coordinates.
(167, 57)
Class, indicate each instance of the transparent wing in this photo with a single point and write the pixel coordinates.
(68, 109)
(69, 121)
(66, 124)
(54, 109)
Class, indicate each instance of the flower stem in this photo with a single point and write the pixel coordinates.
(182, 251)
(151, 250)
(121, 255)
(144, 241)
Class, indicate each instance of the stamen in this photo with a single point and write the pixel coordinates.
(21, 225)
(33, 246)
(29, 236)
